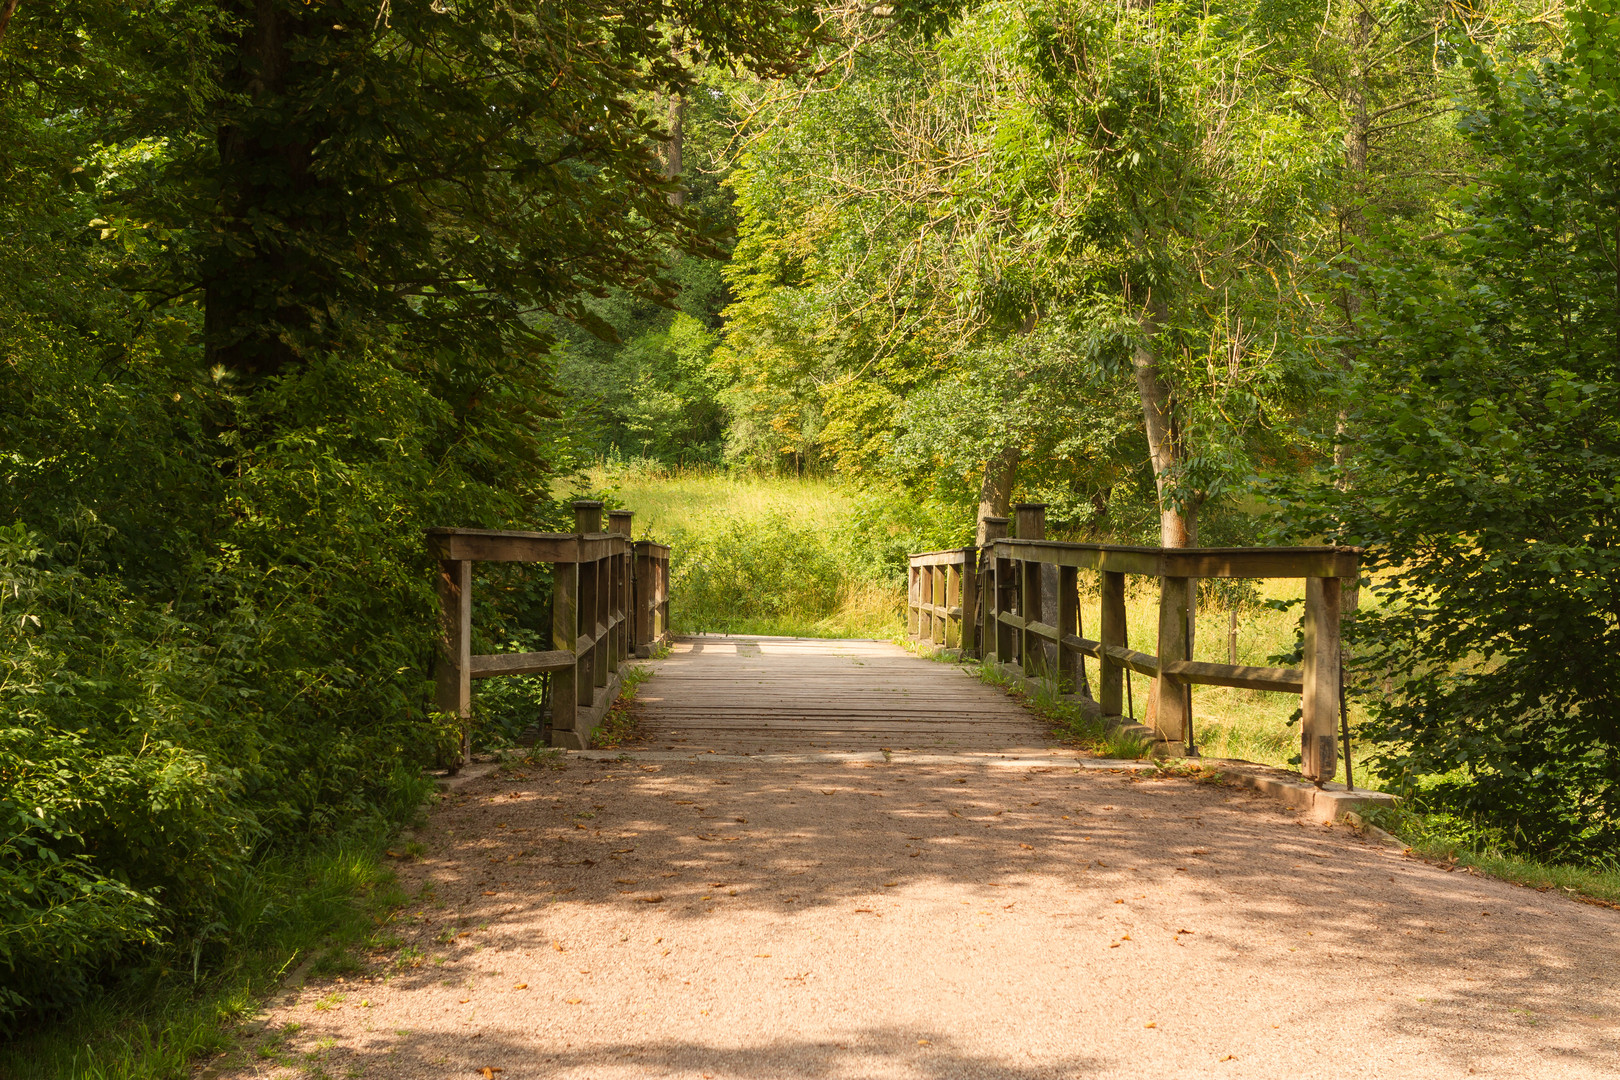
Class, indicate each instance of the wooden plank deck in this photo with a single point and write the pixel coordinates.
(744, 694)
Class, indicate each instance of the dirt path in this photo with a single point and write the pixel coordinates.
(737, 919)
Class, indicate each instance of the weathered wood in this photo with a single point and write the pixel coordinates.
(529, 663)
(1139, 662)
(1084, 646)
(1071, 664)
(1299, 562)
(1170, 718)
(748, 694)
(1284, 680)
(1302, 562)
(1319, 723)
(453, 672)
(565, 683)
(969, 601)
(1111, 634)
(587, 516)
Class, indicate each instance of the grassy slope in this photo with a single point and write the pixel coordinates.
(707, 506)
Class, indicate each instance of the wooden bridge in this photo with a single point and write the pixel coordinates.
(1014, 603)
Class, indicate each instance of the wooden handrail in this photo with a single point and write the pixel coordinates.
(1006, 584)
(610, 600)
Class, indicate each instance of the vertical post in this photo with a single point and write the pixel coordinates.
(913, 598)
(1170, 719)
(992, 635)
(1111, 632)
(1319, 723)
(953, 599)
(587, 516)
(565, 636)
(453, 672)
(1072, 662)
(624, 572)
(1031, 520)
(970, 602)
(941, 624)
(1231, 638)
(602, 650)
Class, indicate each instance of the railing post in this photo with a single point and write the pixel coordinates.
(565, 684)
(1071, 662)
(1319, 702)
(969, 625)
(1111, 633)
(1170, 719)
(624, 573)
(913, 599)
(453, 672)
(1031, 520)
(1000, 590)
(587, 516)
(645, 582)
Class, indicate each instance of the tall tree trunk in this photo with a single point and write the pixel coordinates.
(254, 278)
(995, 489)
(1352, 219)
(1178, 526)
(672, 150)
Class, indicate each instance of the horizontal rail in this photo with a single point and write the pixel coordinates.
(953, 557)
(1289, 680)
(494, 545)
(522, 663)
(1294, 562)
(1139, 662)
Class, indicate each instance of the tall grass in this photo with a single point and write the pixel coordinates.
(784, 556)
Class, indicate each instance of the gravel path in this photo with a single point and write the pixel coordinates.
(732, 919)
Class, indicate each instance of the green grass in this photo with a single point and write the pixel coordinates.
(319, 914)
(795, 557)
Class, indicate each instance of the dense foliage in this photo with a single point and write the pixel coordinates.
(1484, 474)
(274, 296)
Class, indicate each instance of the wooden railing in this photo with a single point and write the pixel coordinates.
(1016, 604)
(610, 600)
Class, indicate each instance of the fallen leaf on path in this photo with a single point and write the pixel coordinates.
(762, 956)
(489, 892)
(655, 898)
(890, 884)
(1229, 1057)
(1027, 847)
(623, 850)
(624, 881)
(1149, 1024)
(924, 1042)
(465, 1000)
(557, 945)
(489, 1073)
(574, 1001)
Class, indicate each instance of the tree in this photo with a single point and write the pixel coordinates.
(1486, 457)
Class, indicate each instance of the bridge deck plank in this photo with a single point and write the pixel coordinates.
(751, 694)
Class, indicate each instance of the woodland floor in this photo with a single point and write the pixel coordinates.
(825, 919)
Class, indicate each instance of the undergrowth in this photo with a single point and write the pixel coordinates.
(315, 914)
(622, 724)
